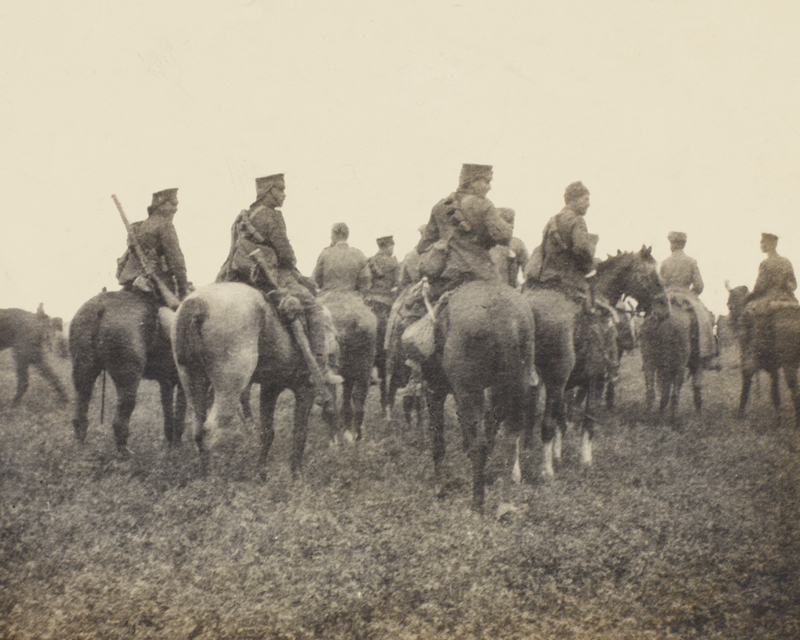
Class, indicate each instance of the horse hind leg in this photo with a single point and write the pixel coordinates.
(126, 402)
(697, 388)
(84, 376)
(303, 401)
(747, 379)
(790, 373)
(470, 413)
(167, 390)
(359, 399)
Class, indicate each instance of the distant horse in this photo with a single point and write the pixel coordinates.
(32, 338)
(225, 336)
(625, 343)
(356, 326)
(483, 348)
(397, 372)
(569, 349)
(120, 332)
(670, 346)
(770, 342)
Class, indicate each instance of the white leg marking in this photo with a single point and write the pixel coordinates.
(586, 449)
(547, 467)
(516, 473)
(558, 442)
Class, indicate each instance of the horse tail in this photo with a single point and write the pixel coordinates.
(188, 331)
(84, 333)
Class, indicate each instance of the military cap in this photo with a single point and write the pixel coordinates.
(769, 237)
(263, 185)
(472, 172)
(385, 241)
(676, 236)
(506, 214)
(340, 229)
(574, 191)
(166, 195)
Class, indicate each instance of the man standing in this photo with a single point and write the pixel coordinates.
(262, 256)
(566, 254)
(341, 267)
(512, 259)
(683, 281)
(158, 241)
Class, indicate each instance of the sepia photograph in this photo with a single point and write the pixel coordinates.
(399, 321)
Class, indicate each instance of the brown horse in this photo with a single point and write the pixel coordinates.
(120, 332)
(225, 336)
(356, 327)
(769, 342)
(32, 338)
(483, 349)
(670, 347)
(569, 349)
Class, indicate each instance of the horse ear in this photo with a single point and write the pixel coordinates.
(40, 310)
(728, 285)
(619, 252)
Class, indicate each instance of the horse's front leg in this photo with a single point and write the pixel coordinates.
(359, 399)
(22, 379)
(747, 379)
(675, 399)
(594, 396)
(697, 387)
(437, 396)
(649, 385)
(167, 408)
(83, 379)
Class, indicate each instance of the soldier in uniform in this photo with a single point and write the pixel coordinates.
(262, 256)
(683, 281)
(409, 268)
(775, 281)
(512, 259)
(341, 267)
(385, 271)
(158, 241)
(566, 255)
(463, 227)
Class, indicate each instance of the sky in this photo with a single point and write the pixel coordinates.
(677, 115)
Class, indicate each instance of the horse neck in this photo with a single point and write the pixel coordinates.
(608, 284)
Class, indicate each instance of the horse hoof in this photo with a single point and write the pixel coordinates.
(349, 437)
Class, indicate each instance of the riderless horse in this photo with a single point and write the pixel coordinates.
(32, 338)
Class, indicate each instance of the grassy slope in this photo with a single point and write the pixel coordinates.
(672, 534)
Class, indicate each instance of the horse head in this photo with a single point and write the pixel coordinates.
(633, 274)
(737, 297)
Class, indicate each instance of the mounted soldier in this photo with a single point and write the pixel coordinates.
(684, 284)
(341, 267)
(384, 270)
(409, 268)
(566, 255)
(262, 256)
(512, 259)
(156, 242)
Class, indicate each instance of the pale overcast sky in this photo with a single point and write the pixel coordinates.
(677, 115)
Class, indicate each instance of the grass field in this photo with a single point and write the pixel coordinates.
(674, 533)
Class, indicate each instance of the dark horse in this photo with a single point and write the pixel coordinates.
(569, 343)
(225, 336)
(32, 337)
(120, 332)
(670, 346)
(770, 342)
(356, 327)
(484, 340)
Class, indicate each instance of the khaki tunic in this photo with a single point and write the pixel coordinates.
(159, 242)
(775, 280)
(385, 273)
(683, 281)
(510, 260)
(567, 252)
(342, 268)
